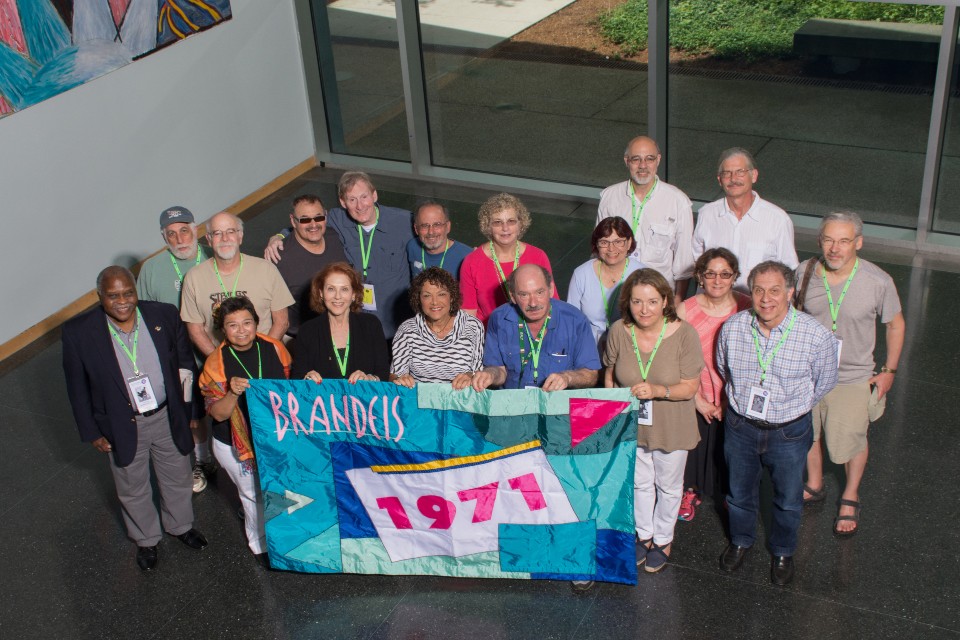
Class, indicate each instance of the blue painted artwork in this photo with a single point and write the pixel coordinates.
(50, 46)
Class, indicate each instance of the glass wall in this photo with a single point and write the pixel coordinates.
(359, 57)
(835, 115)
(946, 214)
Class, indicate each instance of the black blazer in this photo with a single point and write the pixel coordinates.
(313, 348)
(98, 393)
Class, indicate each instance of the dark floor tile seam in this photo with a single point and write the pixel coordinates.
(50, 477)
(31, 412)
(809, 596)
(389, 613)
(785, 139)
(214, 576)
(623, 94)
(535, 112)
(593, 601)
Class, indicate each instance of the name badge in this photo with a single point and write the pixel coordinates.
(758, 403)
(177, 284)
(142, 392)
(645, 413)
(418, 265)
(369, 298)
(839, 349)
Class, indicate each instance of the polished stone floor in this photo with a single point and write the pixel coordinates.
(67, 569)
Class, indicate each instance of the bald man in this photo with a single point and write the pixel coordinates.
(227, 274)
(660, 215)
(126, 364)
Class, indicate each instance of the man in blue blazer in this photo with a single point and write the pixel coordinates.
(127, 364)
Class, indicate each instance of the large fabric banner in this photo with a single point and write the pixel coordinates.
(377, 478)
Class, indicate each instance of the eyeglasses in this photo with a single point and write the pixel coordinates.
(712, 275)
(618, 243)
(843, 243)
(725, 174)
(428, 226)
(642, 159)
(512, 222)
(226, 233)
(305, 220)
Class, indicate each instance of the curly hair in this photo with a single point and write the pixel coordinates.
(650, 277)
(439, 278)
(233, 305)
(607, 226)
(316, 286)
(496, 204)
(709, 256)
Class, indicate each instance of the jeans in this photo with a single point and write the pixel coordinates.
(783, 452)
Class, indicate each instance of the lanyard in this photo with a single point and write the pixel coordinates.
(367, 250)
(123, 345)
(346, 353)
(645, 368)
(638, 213)
(259, 363)
(835, 311)
(423, 255)
(535, 346)
(603, 294)
(500, 274)
(756, 343)
(177, 267)
(235, 280)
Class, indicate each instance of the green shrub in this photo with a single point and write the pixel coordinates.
(742, 28)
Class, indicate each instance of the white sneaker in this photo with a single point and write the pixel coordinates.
(199, 478)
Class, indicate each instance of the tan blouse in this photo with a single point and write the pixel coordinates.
(679, 358)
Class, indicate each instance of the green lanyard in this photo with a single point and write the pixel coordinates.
(367, 250)
(346, 354)
(177, 267)
(603, 294)
(423, 255)
(645, 368)
(500, 274)
(259, 363)
(638, 213)
(835, 311)
(535, 346)
(235, 280)
(756, 343)
(123, 345)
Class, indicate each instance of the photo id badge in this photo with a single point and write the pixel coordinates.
(143, 395)
(839, 349)
(369, 298)
(645, 413)
(758, 403)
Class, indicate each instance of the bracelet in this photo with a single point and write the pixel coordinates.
(887, 370)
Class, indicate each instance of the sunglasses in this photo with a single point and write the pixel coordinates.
(319, 218)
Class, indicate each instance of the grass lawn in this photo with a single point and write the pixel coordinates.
(745, 29)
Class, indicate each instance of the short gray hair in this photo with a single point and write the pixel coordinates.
(430, 203)
(113, 271)
(726, 154)
(789, 277)
(846, 217)
(512, 278)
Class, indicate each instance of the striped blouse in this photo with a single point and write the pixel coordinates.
(417, 351)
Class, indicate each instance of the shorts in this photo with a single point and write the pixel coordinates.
(844, 417)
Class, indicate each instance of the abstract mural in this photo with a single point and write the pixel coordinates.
(50, 46)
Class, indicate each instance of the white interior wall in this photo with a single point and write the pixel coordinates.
(85, 175)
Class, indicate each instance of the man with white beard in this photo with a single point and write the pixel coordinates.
(227, 274)
(160, 280)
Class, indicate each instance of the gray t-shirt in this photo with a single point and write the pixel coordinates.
(297, 267)
(871, 295)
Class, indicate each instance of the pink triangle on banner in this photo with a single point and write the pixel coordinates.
(589, 416)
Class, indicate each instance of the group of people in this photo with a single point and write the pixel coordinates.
(739, 376)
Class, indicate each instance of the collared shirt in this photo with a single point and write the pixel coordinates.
(387, 270)
(420, 259)
(664, 239)
(148, 361)
(568, 344)
(764, 233)
(159, 281)
(803, 371)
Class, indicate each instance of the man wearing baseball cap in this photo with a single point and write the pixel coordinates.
(161, 279)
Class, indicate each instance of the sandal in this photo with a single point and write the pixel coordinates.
(816, 495)
(656, 558)
(854, 518)
(642, 551)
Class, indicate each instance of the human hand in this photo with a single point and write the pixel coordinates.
(555, 382)
(642, 391)
(406, 380)
(481, 380)
(462, 381)
(102, 445)
(274, 247)
(239, 385)
(883, 381)
(313, 376)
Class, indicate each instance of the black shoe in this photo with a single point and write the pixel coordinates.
(147, 558)
(781, 570)
(263, 559)
(193, 539)
(732, 557)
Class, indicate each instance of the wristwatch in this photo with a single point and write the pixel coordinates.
(666, 396)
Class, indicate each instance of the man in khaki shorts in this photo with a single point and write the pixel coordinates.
(847, 295)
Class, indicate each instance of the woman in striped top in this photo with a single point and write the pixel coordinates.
(442, 343)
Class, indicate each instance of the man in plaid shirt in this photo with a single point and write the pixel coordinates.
(777, 363)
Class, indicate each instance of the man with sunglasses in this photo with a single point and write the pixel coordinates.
(433, 247)
(305, 251)
(752, 228)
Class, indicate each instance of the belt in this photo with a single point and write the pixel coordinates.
(764, 425)
(147, 414)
